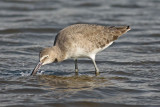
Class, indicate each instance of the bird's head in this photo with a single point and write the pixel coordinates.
(46, 56)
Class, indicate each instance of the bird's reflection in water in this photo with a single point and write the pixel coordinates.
(73, 83)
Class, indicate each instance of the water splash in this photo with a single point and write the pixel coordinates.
(29, 73)
(40, 72)
(23, 74)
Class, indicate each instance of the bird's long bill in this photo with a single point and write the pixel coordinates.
(36, 68)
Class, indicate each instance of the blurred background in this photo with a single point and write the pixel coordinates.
(129, 68)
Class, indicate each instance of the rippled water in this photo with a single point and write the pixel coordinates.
(129, 68)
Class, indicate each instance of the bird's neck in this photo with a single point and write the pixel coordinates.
(59, 54)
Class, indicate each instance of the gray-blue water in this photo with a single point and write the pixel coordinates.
(130, 75)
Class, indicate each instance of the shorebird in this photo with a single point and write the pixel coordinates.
(80, 41)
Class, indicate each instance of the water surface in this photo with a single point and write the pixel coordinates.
(129, 68)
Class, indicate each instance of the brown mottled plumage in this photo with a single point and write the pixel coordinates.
(80, 40)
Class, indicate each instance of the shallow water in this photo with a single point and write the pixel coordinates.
(129, 68)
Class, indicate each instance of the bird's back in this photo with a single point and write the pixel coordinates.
(87, 37)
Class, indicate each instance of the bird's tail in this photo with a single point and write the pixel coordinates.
(118, 31)
(123, 29)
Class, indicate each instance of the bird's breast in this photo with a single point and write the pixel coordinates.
(79, 53)
(84, 53)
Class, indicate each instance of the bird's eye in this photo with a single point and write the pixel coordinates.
(46, 56)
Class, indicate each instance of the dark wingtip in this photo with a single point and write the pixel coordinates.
(128, 27)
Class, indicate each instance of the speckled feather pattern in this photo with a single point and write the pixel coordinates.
(80, 41)
(87, 37)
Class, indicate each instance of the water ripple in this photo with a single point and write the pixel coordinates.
(129, 68)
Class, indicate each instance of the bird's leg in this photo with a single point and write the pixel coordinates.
(76, 66)
(95, 65)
